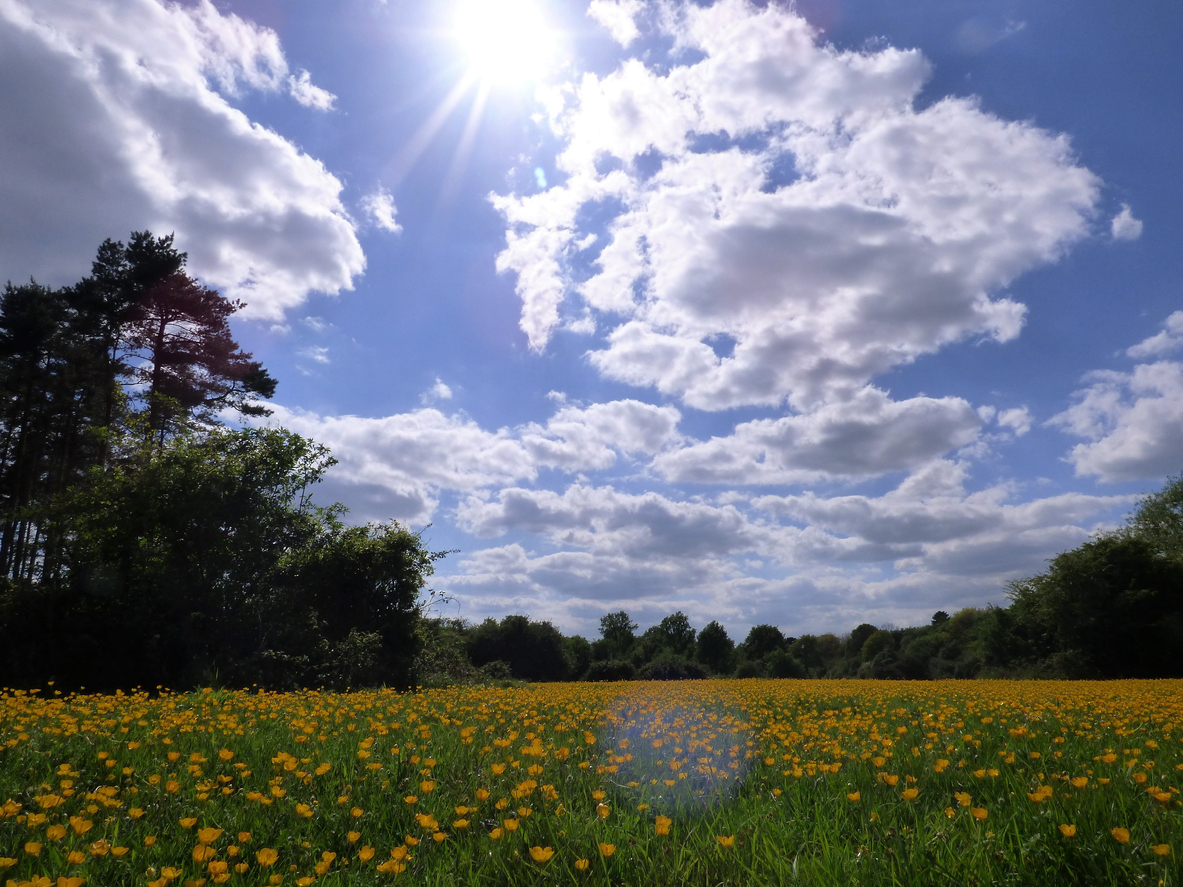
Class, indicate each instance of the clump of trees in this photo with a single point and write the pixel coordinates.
(141, 542)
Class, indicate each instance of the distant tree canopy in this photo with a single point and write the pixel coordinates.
(140, 542)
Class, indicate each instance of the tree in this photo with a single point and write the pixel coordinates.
(677, 635)
(209, 559)
(534, 651)
(186, 361)
(762, 640)
(716, 650)
(617, 631)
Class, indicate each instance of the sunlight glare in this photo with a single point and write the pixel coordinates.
(505, 41)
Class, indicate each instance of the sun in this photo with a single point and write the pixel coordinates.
(504, 41)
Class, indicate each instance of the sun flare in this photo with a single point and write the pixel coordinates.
(505, 41)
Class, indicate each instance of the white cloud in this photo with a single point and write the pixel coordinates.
(317, 353)
(409, 459)
(1124, 226)
(1133, 421)
(309, 95)
(1169, 339)
(618, 16)
(787, 198)
(865, 435)
(379, 207)
(117, 118)
(1017, 418)
(438, 391)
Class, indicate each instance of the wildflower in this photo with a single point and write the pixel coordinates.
(854, 797)
(978, 813)
(541, 854)
(662, 826)
(439, 837)
(602, 811)
(75, 857)
(208, 835)
(1161, 849)
(33, 848)
(582, 864)
(963, 798)
(353, 837)
(726, 840)
(510, 824)
(356, 812)
(1068, 831)
(909, 794)
(55, 832)
(366, 853)
(267, 857)
(411, 799)
(1080, 781)
(1121, 835)
(6, 862)
(426, 820)
(189, 822)
(496, 834)
(460, 823)
(607, 849)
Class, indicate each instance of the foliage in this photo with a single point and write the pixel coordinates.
(534, 651)
(671, 667)
(716, 650)
(611, 670)
(207, 560)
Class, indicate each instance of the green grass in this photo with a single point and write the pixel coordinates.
(751, 761)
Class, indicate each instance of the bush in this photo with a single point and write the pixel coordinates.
(783, 664)
(672, 667)
(611, 670)
(750, 669)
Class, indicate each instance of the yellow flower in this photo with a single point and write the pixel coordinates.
(580, 864)
(963, 798)
(426, 820)
(202, 852)
(75, 857)
(598, 794)
(357, 812)
(1068, 831)
(304, 810)
(439, 837)
(267, 857)
(55, 832)
(427, 786)
(662, 826)
(460, 823)
(189, 822)
(411, 799)
(1161, 849)
(541, 854)
(909, 794)
(366, 853)
(607, 849)
(6, 862)
(890, 779)
(225, 754)
(82, 826)
(726, 840)
(854, 797)
(1080, 781)
(1121, 835)
(135, 812)
(497, 769)
(496, 834)
(978, 813)
(602, 811)
(33, 848)
(353, 837)
(208, 835)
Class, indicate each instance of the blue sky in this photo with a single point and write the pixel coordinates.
(815, 315)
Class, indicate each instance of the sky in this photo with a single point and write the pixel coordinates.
(808, 314)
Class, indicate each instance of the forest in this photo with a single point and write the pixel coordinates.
(148, 540)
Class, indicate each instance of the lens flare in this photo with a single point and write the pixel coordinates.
(505, 41)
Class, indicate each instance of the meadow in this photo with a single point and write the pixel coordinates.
(696, 782)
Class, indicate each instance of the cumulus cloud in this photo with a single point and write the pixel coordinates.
(409, 459)
(1016, 418)
(784, 223)
(1133, 423)
(865, 435)
(304, 91)
(1124, 226)
(379, 207)
(1169, 339)
(118, 116)
(619, 17)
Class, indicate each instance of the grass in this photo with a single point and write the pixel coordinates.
(757, 782)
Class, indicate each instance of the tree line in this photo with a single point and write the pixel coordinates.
(143, 542)
(1111, 608)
